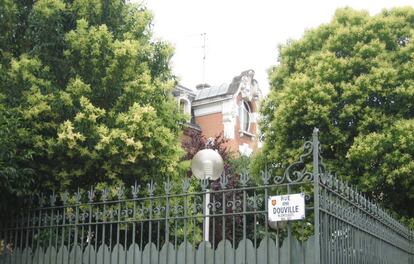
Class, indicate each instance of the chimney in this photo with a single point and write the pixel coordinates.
(202, 86)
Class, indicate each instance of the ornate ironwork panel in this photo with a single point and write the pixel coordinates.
(165, 223)
(156, 223)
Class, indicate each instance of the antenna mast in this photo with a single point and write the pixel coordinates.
(204, 35)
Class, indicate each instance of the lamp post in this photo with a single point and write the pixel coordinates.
(207, 164)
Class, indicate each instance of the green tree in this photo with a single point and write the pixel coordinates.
(354, 79)
(86, 96)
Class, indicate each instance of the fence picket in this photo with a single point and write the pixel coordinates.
(246, 250)
(75, 255)
(39, 256)
(205, 253)
(167, 258)
(310, 251)
(89, 255)
(16, 256)
(133, 255)
(150, 254)
(224, 252)
(62, 256)
(118, 254)
(186, 253)
(26, 256)
(103, 256)
(269, 246)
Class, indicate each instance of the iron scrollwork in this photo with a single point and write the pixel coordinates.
(234, 204)
(254, 201)
(214, 206)
(297, 171)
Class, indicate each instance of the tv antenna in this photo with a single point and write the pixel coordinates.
(204, 35)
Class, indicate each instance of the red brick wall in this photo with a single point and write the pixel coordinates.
(212, 125)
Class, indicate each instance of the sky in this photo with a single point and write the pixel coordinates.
(240, 34)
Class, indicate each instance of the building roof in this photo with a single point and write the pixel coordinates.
(220, 91)
(212, 91)
(180, 90)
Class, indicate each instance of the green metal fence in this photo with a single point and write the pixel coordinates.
(165, 224)
(353, 229)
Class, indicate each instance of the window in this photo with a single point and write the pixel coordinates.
(185, 106)
(244, 116)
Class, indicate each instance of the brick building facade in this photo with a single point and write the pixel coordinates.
(231, 109)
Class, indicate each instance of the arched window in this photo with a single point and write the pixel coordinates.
(244, 116)
(185, 106)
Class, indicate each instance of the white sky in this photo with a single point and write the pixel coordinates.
(241, 34)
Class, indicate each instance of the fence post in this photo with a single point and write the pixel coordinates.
(315, 149)
(412, 246)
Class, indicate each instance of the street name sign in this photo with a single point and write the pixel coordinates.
(286, 207)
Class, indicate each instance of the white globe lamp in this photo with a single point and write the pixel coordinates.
(207, 164)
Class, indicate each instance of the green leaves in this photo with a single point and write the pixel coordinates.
(387, 160)
(352, 78)
(88, 93)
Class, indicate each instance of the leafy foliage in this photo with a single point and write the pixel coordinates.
(85, 97)
(354, 79)
(194, 141)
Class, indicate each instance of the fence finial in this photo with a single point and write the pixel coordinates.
(105, 195)
(151, 187)
(78, 196)
(135, 190)
(91, 194)
(65, 197)
(167, 186)
(244, 178)
(266, 175)
(120, 191)
(185, 184)
(52, 199)
(223, 180)
(315, 131)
